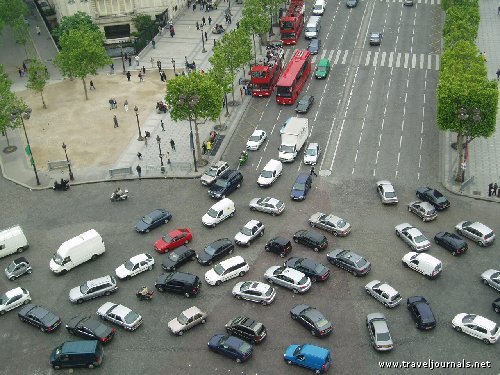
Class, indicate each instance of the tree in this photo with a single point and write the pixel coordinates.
(193, 97)
(12, 12)
(78, 20)
(38, 76)
(255, 20)
(82, 53)
(9, 103)
(232, 52)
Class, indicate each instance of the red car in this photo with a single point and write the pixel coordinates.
(173, 240)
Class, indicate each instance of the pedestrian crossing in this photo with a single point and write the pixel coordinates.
(383, 59)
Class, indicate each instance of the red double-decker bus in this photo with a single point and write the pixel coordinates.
(294, 77)
(263, 77)
(292, 23)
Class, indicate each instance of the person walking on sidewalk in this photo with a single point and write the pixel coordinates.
(209, 147)
(139, 170)
(125, 104)
(203, 20)
(139, 155)
(197, 25)
(495, 187)
(128, 75)
(153, 43)
(115, 121)
(158, 64)
(162, 126)
(313, 172)
(136, 60)
(129, 61)
(206, 37)
(490, 189)
(498, 74)
(37, 30)
(209, 20)
(141, 77)
(91, 84)
(172, 144)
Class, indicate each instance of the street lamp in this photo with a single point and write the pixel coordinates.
(463, 115)
(136, 110)
(25, 114)
(191, 102)
(158, 140)
(123, 57)
(203, 50)
(173, 63)
(69, 164)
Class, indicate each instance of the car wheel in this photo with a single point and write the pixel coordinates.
(12, 278)
(238, 360)
(273, 213)
(2, 312)
(20, 250)
(237, 296)
(180, 333)
(160, 288)
(335, 233)
(94, 257)
(56, 367)
(497, 309)
(261, 233)
(267, 249)
(263, 303)
(270, 281)
(150, 267)
(29, 271)
(404, 264)
(230, 251)
(166, 221)
(252, 208)
(485, 282)
(481, 243)
(367, 291)
(458, 329)
(128, 277)
(296, 240)
(486, 341)
(282, 255)
(312, 224)
(295, 291)
(241, 274)
(210, 263)
(289, 362)
(316, 250)
(386, 304)
(218, 282)
(459, 231)
(192, 258)
(27, 301)
(147, 230)
(203, 321)
(397, 233)
(79, 301)
(91, 365)
(454, 253)
(294, 317)
(313, 279)
(42, 329)
(238, 186)
(313, 333)
(187, 295)
(354, 273)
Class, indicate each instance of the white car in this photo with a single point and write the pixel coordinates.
(477, 326)
(251, 230)
(289, 278)
(14, 298)
(256, 139)
(413, 237)
(387, 193)
(215, 170)
(425, 264)
(186, 320)
(227, 270)
(136, 265)
(384, 293)
(492, 278)
(120, 315)
(311, 154)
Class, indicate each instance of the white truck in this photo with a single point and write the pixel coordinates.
(12, 240)
(79, 249)
(293, 138)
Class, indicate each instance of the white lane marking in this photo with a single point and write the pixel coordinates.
(405, 65)
(375, 59)
(413, 60)
(398, 60)
(437, 62)
(391, 57)
(368, 55)
(345, 57)
(382, 59)
(337, 56)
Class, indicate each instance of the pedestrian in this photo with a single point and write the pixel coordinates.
(209, 147)
(160, 29)
(37, 30)
(126, 56)
(194, 7)
(197, 25)
(125, 104)
(158, 63)
(141, 77)
(229, 18)
(139, 170)
(313, 172)
(490, 189)
(91, 84)
(162, 126)
(115, 121)
(128, 75)
(209, 20)
(145, 141)
(137, 60)
(153, 43)
(143, 70)
(139, 155)
(25, 67)
(241, 93)
(172, 32)
(498, 74)
(129, 61)
(204, 148)
(495, 187)
(112, 66)
(237, 25)
(203, 20)
(20, 72)
(172, 145)
(162, 77)
(152, 62)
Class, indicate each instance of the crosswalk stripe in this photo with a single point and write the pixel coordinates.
(382, 59)
(398, 60)
(429, 61)
(437, 62)
(375, 59)
(422, 61)
(337, 56)
(413, 60)
(331, 54)
(345, 56)
(323, 54)
(405, 65)
(391, 57)
(313, 60)
(368, 55)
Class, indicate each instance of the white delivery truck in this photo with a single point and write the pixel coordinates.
(72, 253)
(294, 137)
(11, 240)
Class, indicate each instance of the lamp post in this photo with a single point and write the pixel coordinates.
(203, 50)
(71, 177)
(191, 102)
(158, 140)
(173, 63)
(463, 115)
(123, 57)
(26, 114)
(136, 110)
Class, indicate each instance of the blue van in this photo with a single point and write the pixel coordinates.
(301, 187)
(309, 356)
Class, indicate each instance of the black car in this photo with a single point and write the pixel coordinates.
(375, 39)
(39, 317)
(214, 251)
(421, 312)
(90, 329)
(179, 282)
(434, 197)
(301, 187)
(177, 258)
(496, 305)
(229, 181)
(312, 319)
(315, 270)
(455, 244)
(152, 220)
(231, 347)
(312, 239)
(351, 3)
(314, 46)
(349, 261)
(305, 102)
(247, 329)
(279, 245)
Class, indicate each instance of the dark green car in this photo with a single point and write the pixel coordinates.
(322, 69)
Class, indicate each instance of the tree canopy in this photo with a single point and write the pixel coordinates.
(38, 76)
(79, 20)
(255, 19)
(9, 103)
(12, 13)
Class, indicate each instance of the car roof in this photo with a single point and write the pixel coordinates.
(480, 227)
(258, 132)
(349, 255)
(314, 235)
(414, 232)
(234, 342)
(281, 240)
(293, 274)
(184, 276)
(313, 350)
(157, 212)
(380, 326)
(175, 232)
(483, 322)
(138, 258)
(270, 200)
(376, 315)
(218, 164)
(193, 310)
(427, 258)
(388, 289)
(256, 285)
(252, 223)
(14, 292)
(312, 145)
(121, 310)
(303, 177)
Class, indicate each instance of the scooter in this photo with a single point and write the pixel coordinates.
(144, 294)
(118, 198)
(243, 158)
(63, 185)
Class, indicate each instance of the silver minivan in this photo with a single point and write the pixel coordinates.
(102, 286)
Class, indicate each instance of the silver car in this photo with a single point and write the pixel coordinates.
(268, 205)
(102, 286)
(387, 193)
(384, 293)
(256, 139)
(17, 268)
(289, 278)
(423, 210)
(492, 278)
(331, 223)
(379, 332)
(476, 231)
(186, 320)
(120, 315)
(413, 237)
(213, 172)
(254, 291)
(251, 230)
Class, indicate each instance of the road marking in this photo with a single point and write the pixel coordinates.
(345, 56)
(413, 60)
(368, 55)
(429, 61)
(331, 54)
(437, 62)
(398, 60)
(422, 59)
(375, 58)
(405, 65)
(391, 57)
(337, 56)
(382, 59)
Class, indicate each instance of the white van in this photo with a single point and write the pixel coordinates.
(11, 240)
(312, 27)
(270, 173)
(219, 212)
(425, 264)
(227, 270)
(72, 253)
(319, 7)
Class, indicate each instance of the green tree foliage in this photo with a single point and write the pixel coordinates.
(255, 20)
(79, 20)
(9, 103)
(462, 23)
(231, 53)
(445, 4)
(145, 25)
(38, 76)
(82, 53)
(207, 103)
(12, 12)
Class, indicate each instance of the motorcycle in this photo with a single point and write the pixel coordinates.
(116, 198)
(243, 158)
(63, 185)
(144, 294)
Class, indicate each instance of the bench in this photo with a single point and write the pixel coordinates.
(120, 171)
(58, 164)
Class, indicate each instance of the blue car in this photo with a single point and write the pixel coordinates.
(152, 220)
(301, 187)
(231, 347)
(309, 356)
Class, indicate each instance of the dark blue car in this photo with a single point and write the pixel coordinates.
(301, 187)
(152, 220)
(231, 347)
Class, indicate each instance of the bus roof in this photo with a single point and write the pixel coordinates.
(296, 63)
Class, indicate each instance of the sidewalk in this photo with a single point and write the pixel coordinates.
(483, 165)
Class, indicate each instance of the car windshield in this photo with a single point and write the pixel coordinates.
(287, 149)
(57, 259)
(221, 183)
(321, 69)
(254, 138)
(131, 317)
(311, 152)
(360, 263)
(440, 199)
(3, 299)
(182, 319)
(210, 250)
(11, 267)
(212, 213)
(269, 292)
(469, 318)
(419, 239)
(219, 270)
(280, 204)
(318, 7)
(246, 231)
(390, 194)
(341, 223)
(211, 172)
(303, 281)
(322, 323)
(319, 269)
(310, 29)
(100, 330)
(496, 277)
(384, 336)
(245, 348)
(303, 102)
(266, 174)
(129, 265)
(173, 257)
(299, 186)
(167, 238)
(297, 350)
(84, 288)
(147, 219)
